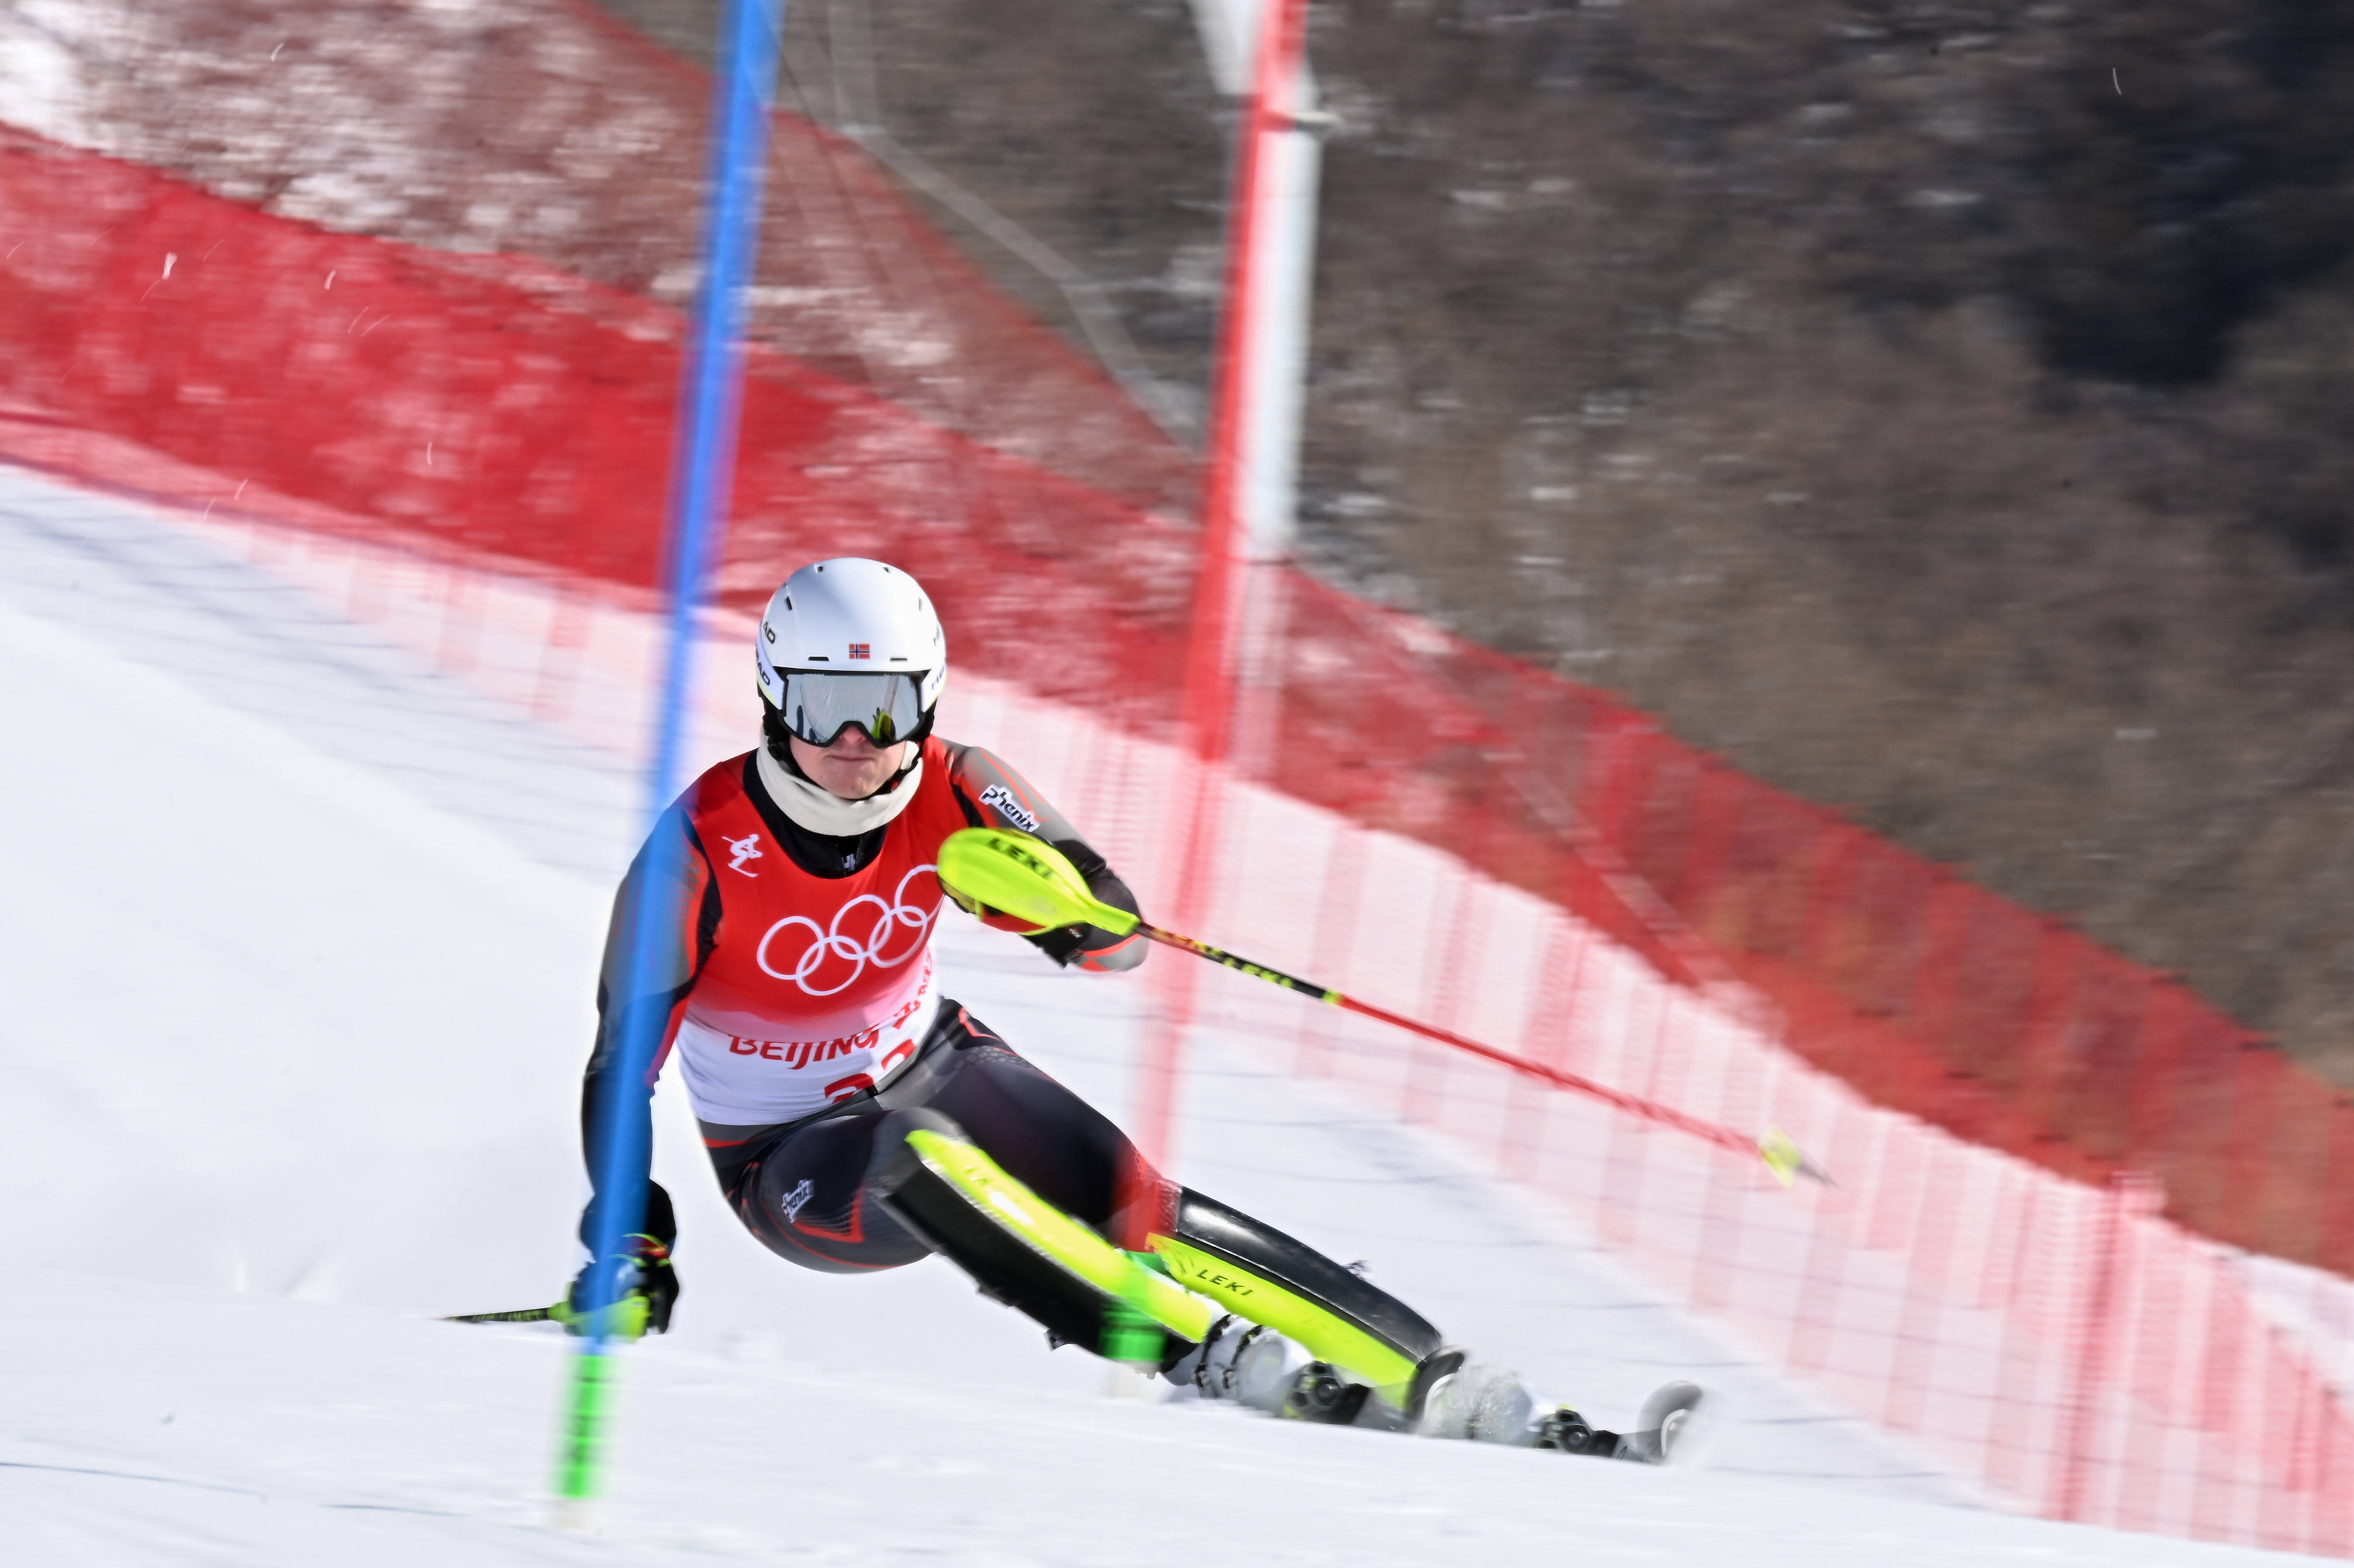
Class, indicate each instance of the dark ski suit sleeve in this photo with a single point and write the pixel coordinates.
(671, 851)
(994, 796)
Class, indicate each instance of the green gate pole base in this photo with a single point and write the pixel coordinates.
(1130, 1338)
(580, 1461)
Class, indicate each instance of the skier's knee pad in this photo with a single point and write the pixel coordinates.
(894, 1163)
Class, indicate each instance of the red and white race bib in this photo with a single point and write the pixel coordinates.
(818, 987)
(746, 1080)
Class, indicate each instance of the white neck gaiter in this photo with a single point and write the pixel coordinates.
(821, 812)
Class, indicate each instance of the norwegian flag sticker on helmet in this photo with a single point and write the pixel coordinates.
(862, 650)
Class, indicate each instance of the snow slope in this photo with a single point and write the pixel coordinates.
(250, 1430)
(297, 942)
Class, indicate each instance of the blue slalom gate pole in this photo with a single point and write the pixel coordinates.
(703, 467)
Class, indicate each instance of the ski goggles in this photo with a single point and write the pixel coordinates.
(820, 704)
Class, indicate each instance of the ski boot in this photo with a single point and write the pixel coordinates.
(1453, 1396)
(1256, 1367)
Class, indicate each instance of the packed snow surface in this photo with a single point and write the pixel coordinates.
(297, 940)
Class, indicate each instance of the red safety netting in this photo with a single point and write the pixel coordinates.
(490, 405)
(489, 413)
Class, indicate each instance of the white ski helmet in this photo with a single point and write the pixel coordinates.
(850, 642)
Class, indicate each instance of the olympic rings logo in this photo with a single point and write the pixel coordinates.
(879, 947)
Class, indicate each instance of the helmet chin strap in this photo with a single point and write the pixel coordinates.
(820, 810)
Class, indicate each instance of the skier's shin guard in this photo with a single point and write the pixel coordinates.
(1021, 1251)
(1256, 1272)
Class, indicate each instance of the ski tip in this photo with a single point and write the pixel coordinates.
(1681, 1422)
(524, 1315)
(1789, 1161)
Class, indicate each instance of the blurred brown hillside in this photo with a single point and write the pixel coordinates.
(1947, 411)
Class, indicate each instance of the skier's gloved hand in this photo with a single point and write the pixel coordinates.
(1091, 946)
(1061, 943)
(996, 919)
(645, 1289)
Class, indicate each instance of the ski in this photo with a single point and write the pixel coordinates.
(524, 1315)
(1663, 1433)
(1668, 1420)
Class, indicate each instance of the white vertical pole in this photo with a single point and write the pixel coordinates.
(1284, 275)
(1280, 279)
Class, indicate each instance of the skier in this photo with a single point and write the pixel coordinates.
(848, 1107)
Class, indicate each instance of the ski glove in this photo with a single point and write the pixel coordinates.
(643, 1291)
(1067, 945)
